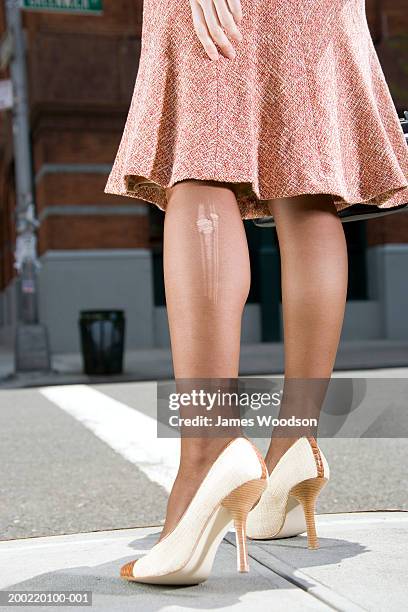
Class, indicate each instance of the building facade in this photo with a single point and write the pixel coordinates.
(103, 251)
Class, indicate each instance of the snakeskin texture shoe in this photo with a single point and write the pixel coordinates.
(233, 485)
(287, 507)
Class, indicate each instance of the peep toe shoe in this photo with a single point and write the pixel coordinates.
(287, 506)
(232, 486)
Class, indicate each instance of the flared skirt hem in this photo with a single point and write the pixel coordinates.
(253, 201)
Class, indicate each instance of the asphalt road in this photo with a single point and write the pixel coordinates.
(82, 458)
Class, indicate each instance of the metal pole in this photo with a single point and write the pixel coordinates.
(25, 255)
(26, 261)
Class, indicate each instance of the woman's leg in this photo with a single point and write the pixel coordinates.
(207, 280)
(314, 288)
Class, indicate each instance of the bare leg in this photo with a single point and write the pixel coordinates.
(314, 288)
(207, 280)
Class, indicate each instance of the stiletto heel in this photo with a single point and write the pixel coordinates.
(239, 503)
(287, 508)
(306, 493)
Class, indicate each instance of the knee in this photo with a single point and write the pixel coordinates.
(199, 186)
(296, 207)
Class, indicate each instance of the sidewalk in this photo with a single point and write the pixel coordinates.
(359, 566)
(156, 363)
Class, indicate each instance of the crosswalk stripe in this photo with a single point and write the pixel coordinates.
(126, 430)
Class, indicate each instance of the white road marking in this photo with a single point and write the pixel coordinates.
(127, 431)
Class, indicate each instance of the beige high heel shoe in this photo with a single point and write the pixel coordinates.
(233, 485)
(287, 507)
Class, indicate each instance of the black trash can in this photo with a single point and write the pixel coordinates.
(102, 341)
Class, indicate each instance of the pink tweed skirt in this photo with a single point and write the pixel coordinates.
(304, 108)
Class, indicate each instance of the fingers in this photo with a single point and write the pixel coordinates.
(227, 21)
(201, 30)
(209, 19)
(236, 9)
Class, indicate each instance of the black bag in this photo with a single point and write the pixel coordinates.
(355, 212)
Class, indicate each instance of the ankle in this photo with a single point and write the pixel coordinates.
(198, 454)
(277, 448)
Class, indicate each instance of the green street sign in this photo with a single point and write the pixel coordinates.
(92, 7)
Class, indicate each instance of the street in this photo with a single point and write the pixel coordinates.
(81, 458)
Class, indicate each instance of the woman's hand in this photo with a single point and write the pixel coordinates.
(209, 17)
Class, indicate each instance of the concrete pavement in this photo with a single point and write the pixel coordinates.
(360, 565)
(85, 458)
